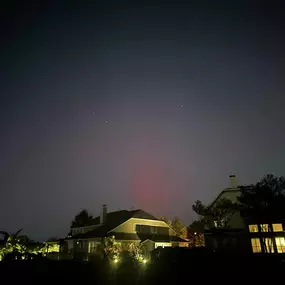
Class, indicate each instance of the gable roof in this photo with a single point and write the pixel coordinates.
(119, 217)
(113, 220)
(224, 192)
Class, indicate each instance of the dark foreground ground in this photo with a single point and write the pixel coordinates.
(224, 269)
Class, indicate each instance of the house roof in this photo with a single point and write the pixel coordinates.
(113, 220)
(229, 190)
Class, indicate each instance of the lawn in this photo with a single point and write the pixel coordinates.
(166, 271)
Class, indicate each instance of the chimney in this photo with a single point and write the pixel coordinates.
(103, 215)
(233, 181)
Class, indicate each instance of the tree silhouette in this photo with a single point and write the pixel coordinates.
(177, 226)
(82, 219)
(196, 233)
(215, 215)
(262, 204)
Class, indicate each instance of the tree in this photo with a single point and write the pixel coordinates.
(264, 203)
(196, 233)
(165, 219)
(82, 219)
(179, 228)
(12, 244)
(135, 250)
(109, 247)
(16, 245)
(216, 215)
(199, 208)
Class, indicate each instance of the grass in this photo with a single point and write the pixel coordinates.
(169, 270)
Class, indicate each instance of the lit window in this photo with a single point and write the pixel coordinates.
(264, 227)
(256, 246)
(277, 227)
(280, 244)
(162, 244)
(253, 228)
(269, 245)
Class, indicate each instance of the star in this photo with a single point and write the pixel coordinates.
(93, 112)
(181, 106)
(106, 121)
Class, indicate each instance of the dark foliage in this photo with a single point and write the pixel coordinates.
(82, 219)
(264, 202)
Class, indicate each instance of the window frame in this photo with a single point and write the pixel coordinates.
(264, 228)
(256, 245)
(275, 227)
(279, 245)
(251, 227)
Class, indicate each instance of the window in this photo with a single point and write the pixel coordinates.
(264, 227)
(277, 227)
(163, 231)
(154, 230)
(253, 228)
(91, 246)
(145, 229)
(256, 246)
(162, 244)
(280, 244)
(269, 245)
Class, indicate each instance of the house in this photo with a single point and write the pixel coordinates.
(136, 226)
(240, 235)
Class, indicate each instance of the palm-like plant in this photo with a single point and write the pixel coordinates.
(12, 244)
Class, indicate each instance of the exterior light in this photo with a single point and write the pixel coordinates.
(195, 233)
(144, 261)
(116, 260)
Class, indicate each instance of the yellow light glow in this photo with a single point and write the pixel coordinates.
(264, 227)
(269, 245)
(53, 248)
(280, 244)
(256, 246)
(277, 227)
(253, 228)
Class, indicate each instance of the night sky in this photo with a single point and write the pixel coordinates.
(144, 105)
